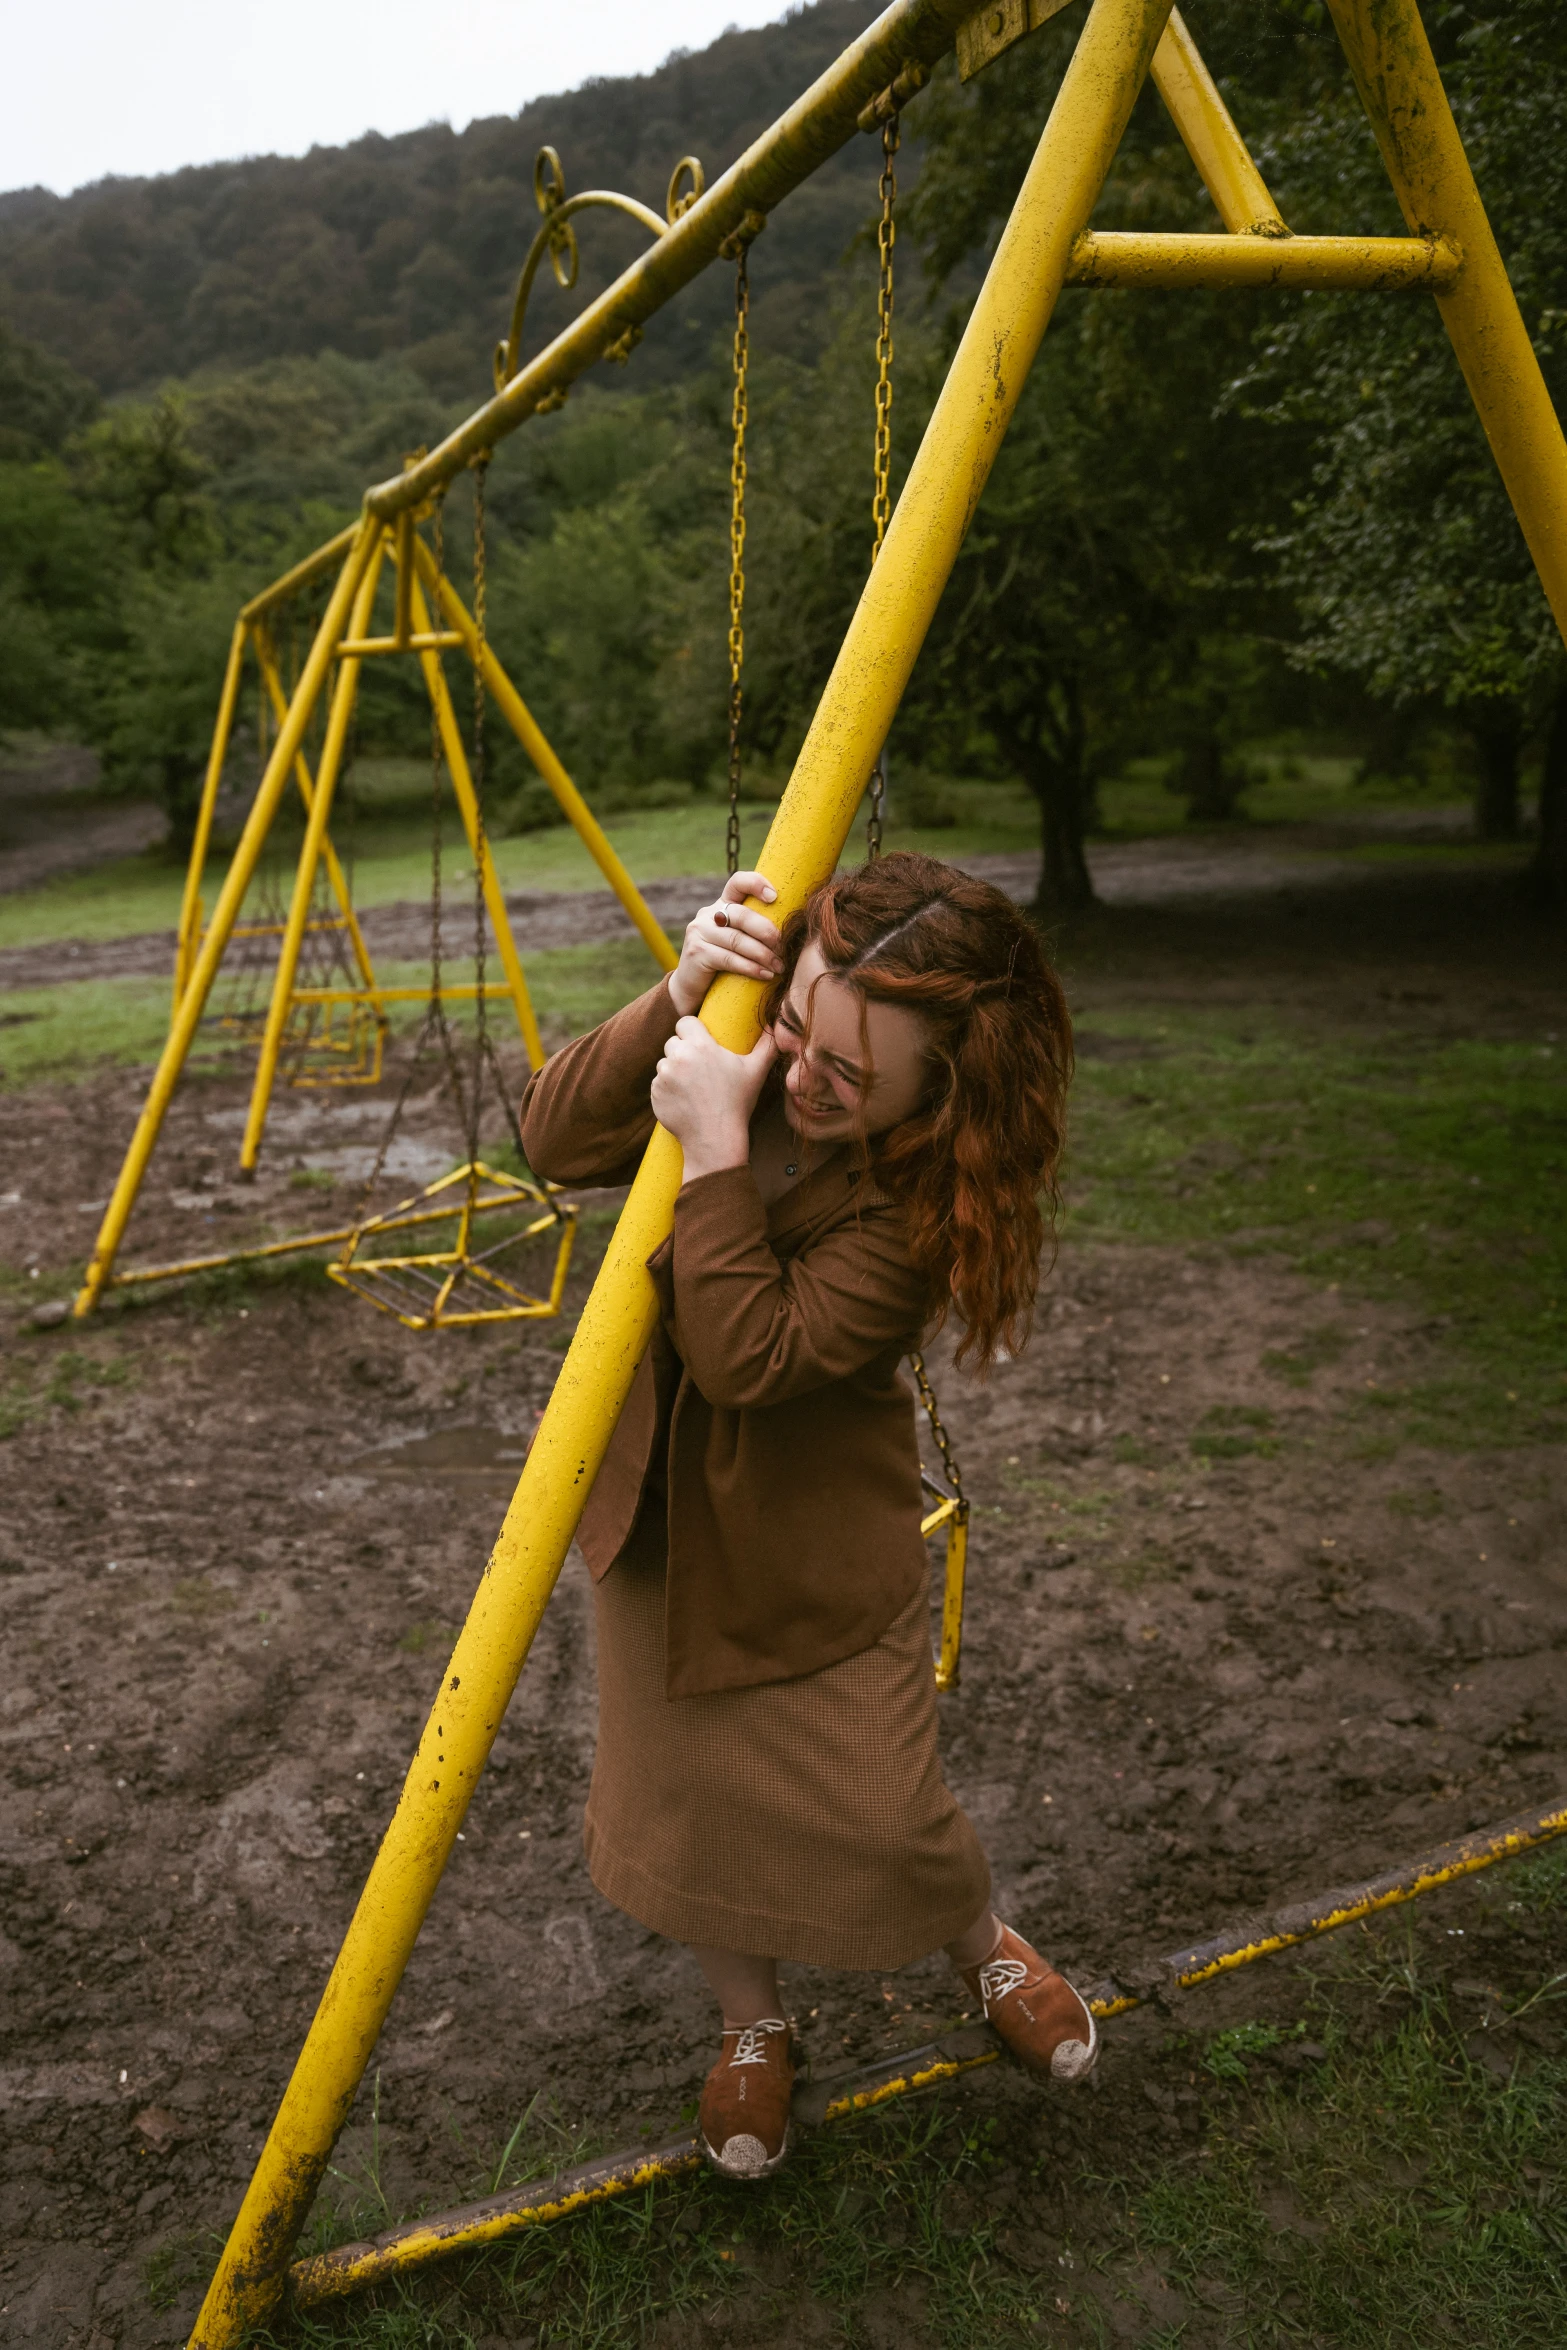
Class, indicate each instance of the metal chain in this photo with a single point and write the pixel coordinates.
(943, 1440)
(881, 499)
(434, 1022)
(737, 550)
(481, 1032)
(485, 1054)
(435, 783)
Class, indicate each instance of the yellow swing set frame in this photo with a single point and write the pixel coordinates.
(1045, 246)
(346, 1025)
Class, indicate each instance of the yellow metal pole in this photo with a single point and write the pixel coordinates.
(478, 842)
(1147, 259)
(1396, 74)
(318, 802)
(201, 839)
(813, 821)
(336, 877)
(1239, 192)
(230, 898)
(526, 728)
(334, 551)
(824, 118)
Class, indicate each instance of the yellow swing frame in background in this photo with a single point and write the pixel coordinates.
(344, 641)
(1045, 246)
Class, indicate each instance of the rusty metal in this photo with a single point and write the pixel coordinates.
(330, 2276)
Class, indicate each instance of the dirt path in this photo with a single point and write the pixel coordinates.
(241, 1528)
(1276, 864)
(52, 823)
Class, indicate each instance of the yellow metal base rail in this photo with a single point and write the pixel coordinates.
(298, 1244)
(331, 2275)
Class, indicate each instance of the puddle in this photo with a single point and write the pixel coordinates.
(451, 1455)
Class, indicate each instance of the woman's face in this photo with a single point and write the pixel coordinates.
(826, 1081)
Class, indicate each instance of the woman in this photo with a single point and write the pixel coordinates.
(767, 1784)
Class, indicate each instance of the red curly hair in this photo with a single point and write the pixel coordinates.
(974, 1169)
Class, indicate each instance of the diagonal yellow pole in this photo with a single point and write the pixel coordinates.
(531, 735)
(230, 898)
(190, 903)
(337, 879)
(813, 821)
(318, 801)
(1191, 96)
(1396, 75)
(478, 843)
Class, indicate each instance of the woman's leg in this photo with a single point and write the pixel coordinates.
(745, 1988)
(744, 2111)
(978, 1943)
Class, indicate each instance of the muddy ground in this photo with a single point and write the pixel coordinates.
(240, 1526)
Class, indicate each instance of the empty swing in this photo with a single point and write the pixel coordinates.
(335, 1031)
(459, 1282)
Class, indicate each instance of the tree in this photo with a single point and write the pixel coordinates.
(1107, 601)
(1402, 553)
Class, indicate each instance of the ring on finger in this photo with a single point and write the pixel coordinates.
(720, 918)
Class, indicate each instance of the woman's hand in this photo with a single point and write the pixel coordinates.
(726, 936)
(706, 1094)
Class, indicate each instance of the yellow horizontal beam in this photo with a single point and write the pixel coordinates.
(430, 641)
(393, 995)
(1146, 261)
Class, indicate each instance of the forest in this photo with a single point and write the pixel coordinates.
(1223, 525)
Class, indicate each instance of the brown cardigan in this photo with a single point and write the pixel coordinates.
(793, 1470)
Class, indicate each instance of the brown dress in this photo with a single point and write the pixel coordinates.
(767, 1777)
(804, 1820)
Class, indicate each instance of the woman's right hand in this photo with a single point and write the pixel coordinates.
(726, 936)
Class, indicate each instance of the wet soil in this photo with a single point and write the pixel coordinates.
(241, 1525)
(36, 846)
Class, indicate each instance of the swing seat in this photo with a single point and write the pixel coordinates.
(447, 1288)
(949, 1510)
(337, 1043)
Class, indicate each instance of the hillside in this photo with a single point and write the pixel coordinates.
(412, 244)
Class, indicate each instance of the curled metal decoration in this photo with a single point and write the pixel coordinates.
(680, 200)
(558, 238)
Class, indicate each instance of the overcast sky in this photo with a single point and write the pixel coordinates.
(140, 86)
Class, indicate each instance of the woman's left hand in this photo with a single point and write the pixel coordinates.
(706, 1095)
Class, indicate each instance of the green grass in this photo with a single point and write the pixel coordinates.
(1229, 1430)
(1426, 1173)
(78, 1026)
(1357, 2176)
(891, 2202)
(37, 1379)
(1403, 2196)
(390, 853)
(68, 1030)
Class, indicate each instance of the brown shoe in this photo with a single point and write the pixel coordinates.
(744, 2115)
(1034, 2010)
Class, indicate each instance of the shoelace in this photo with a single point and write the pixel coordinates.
(998, 1977)
(751, 2045)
